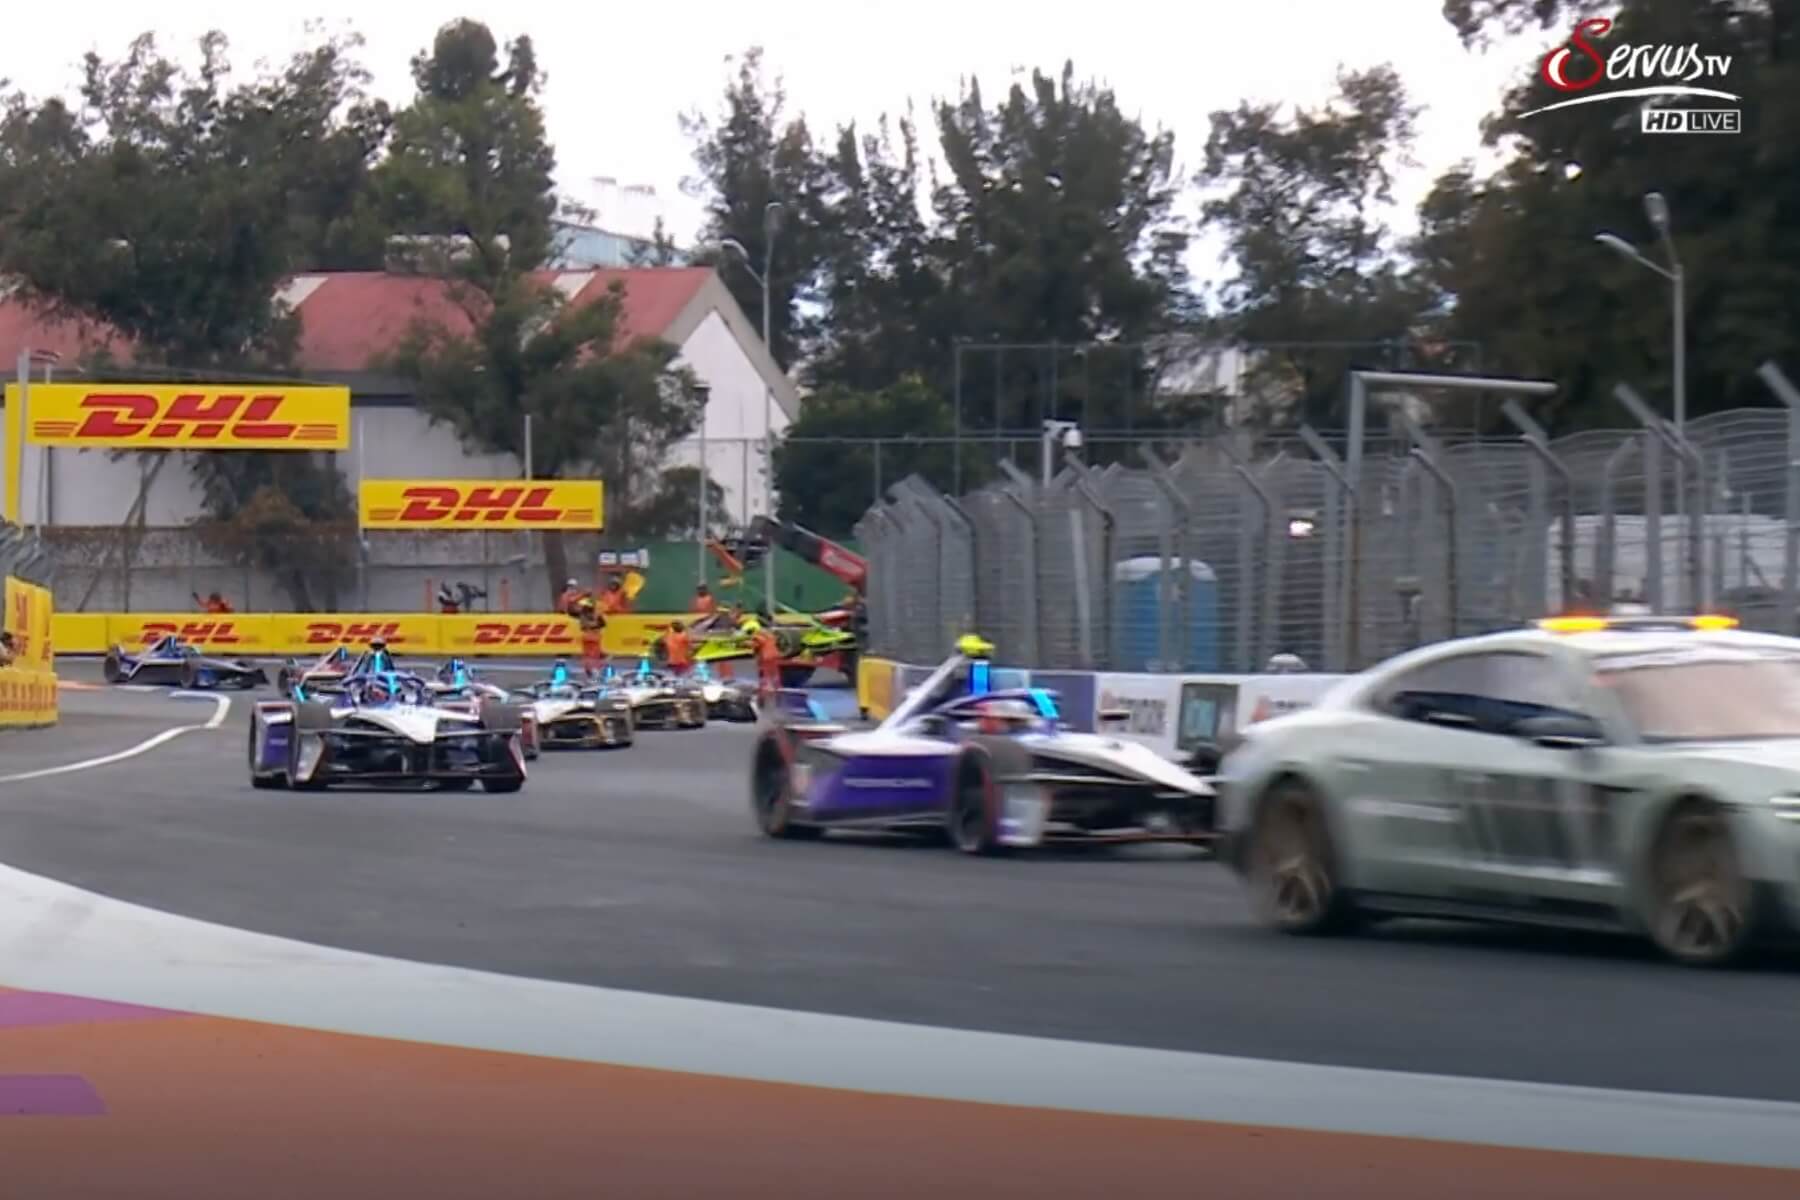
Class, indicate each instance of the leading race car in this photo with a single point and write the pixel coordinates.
(992, 769)
(571, 713)
(384, 730)
(169, 660)
(726, 699)
(1632, 773)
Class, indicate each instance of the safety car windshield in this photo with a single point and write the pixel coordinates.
(1712, 698)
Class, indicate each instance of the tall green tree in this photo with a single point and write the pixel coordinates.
(169, 208)
(1303, 200)
(848, 446)
(750, 155)
(471, 173)
(1056, 223)
(1571, 310)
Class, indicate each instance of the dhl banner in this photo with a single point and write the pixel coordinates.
(501, 635)
(28, 685)
(145, 416)
(480, 504)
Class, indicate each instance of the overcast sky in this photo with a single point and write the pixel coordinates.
(620, 74)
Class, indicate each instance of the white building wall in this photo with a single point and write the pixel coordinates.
(92, 488)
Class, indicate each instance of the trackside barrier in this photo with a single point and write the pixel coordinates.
(28, 686)
(1170, 714)
(300, 634)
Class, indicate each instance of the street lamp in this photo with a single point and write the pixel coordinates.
(771, 226)
(1066, 432)
(1656, 208)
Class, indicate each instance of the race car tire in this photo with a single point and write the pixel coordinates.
(771, 788)
(1291, 864)
(262, 783)
(502, 786)
(112, 669)
(973, 820)
(789, 642)
(690, 714)
(284, 681)
(455, 785)
(1701, 910)
(796, 677)
(502, 717)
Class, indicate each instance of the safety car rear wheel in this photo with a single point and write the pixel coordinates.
(1291, 865)
(1701, 906)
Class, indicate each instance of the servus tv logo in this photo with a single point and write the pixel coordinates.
(1663, 73)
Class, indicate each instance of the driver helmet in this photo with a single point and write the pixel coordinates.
(1007, 716)
(750, 625)
(378, 692)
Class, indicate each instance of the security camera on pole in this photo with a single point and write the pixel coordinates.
(1068, 433)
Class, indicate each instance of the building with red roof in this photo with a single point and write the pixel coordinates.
(350, 320)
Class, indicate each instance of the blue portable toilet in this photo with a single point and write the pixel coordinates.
(1138, 616)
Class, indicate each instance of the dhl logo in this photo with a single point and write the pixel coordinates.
(530, 633)
(361, 633)
(484, 504)
(211, 633)
(183, 418)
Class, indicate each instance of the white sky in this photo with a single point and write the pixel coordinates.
(619, 74)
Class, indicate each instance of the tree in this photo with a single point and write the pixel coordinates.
(1057, 225)
(848, 446)
(1301, 200)
(1570, 310)
(169, 209)
(880, 284)
(748, 157)
(471, 168)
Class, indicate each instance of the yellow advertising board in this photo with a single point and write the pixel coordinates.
(28, 683)
(150, 416)
(480, 504)
(301, 635)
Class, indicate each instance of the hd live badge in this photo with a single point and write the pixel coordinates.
(1692, 120)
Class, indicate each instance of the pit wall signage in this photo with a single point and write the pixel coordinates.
(302, 635)
(480, 504)
(143, 416)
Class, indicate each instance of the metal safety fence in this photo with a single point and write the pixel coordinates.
(1226, 553)
(24, 555)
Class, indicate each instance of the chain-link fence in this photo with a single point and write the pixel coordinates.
(24, 555)
(1217, 554)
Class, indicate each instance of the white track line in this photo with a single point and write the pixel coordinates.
(222, 707)
(58, 938)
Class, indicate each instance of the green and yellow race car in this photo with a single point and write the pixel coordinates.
(807, 643)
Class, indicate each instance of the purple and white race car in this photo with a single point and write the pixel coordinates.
(991, 770)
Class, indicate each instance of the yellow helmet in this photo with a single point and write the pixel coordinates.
(971, 645)
(750, 626)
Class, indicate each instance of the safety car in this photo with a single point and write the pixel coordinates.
(1628, 773)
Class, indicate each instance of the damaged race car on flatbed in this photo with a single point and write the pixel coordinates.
(384, 730)
(992, 770)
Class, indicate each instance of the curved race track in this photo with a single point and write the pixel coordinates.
(641, 869)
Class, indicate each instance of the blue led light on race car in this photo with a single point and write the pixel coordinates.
(980, 680)
(1046, 704)
(559, 673)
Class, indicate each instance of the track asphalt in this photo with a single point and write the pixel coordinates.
(641, 869)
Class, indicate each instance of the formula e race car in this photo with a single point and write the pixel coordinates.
(991, 769)
(660, 701)
(324, 674)
(169, 660)
(458, 688)
(384, 730)
(575, 715)
(1633, 773)
(726, 699)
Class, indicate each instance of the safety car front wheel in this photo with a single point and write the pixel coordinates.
(1291, 865)
(1701, 906)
